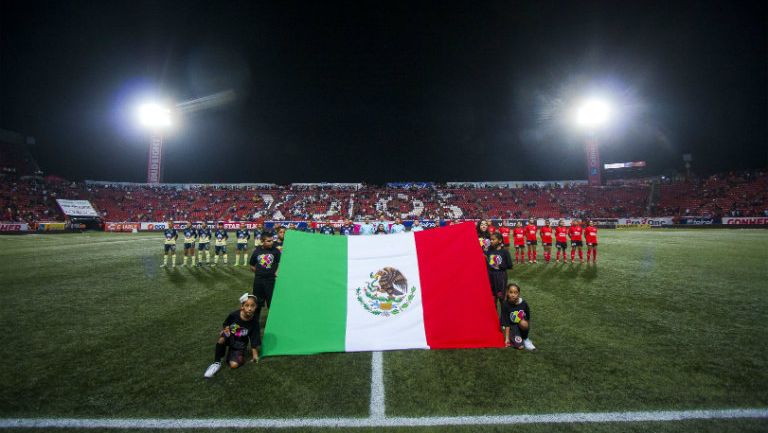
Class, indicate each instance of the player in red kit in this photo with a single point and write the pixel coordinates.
(491, 227)
(546, 240)
(575, 234)
(561, 239)
(531, 240)
(505, 232)
(590, 235)
(518, 239)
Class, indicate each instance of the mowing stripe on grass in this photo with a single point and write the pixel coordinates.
(554, 418)
(378, 407)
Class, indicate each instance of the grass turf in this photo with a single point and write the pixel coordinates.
(92, 327)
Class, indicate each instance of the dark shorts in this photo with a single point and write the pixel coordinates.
(170, 248)
(203, 247)
(576, 244)
(591, 244)
(220, 249)
(263, 289)
(561, 245)
(529, 242)
(498, 283)
(242, 247)
(237, 356)
(188, 246)
(519, 246)
(547, 244)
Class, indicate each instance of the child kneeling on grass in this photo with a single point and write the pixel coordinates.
(515, 319)
(240, 328)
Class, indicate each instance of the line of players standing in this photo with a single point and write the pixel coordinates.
(524, 239)
(197, 243)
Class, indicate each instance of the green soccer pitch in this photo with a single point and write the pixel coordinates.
(669, 320)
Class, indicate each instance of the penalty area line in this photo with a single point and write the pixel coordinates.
(555, 418)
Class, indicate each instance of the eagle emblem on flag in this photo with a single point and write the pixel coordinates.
(386, 293)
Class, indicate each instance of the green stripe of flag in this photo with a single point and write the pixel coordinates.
(309, 305)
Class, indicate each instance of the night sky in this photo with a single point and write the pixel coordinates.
(385, 91)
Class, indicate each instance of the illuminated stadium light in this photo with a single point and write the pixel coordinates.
(155, 116)
(593, 113)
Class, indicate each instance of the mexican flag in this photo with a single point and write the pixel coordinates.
(424, 290)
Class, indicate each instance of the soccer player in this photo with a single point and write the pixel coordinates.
(491, 227)
(382, 222)
(190, 236)
(204, 244)
(327, 229)
(264, 262)
(242, 236)
(240, 328)
(220, 243)
(575, 234)
(505, 231)
(170, 244)
(590, 234)
(518, 239)
(531, 240)
(257, 231)
(348, 229)
(416, 226)
(367, 228)
(397, 227)
(516, 319)
(561, 240)
(546, 240)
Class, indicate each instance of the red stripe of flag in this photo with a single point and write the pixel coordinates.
(459, 309)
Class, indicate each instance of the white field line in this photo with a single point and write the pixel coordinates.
(554, 418)
(378, 407)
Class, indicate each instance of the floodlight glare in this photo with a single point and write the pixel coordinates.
(153, 115)
(593, 113)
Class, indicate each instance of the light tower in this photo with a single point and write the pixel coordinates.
(157, 119)
(592, 116)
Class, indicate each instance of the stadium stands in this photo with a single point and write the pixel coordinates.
(32, 198)
(26, 196)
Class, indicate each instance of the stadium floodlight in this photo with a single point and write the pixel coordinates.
(154, 116)
(157, 118)
(593, 113)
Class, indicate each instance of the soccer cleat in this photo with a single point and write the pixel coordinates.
(212, 369)
(528, 345)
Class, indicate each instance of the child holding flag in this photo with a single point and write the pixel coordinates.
(240, 328)
(264, 262)
(515, 319)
